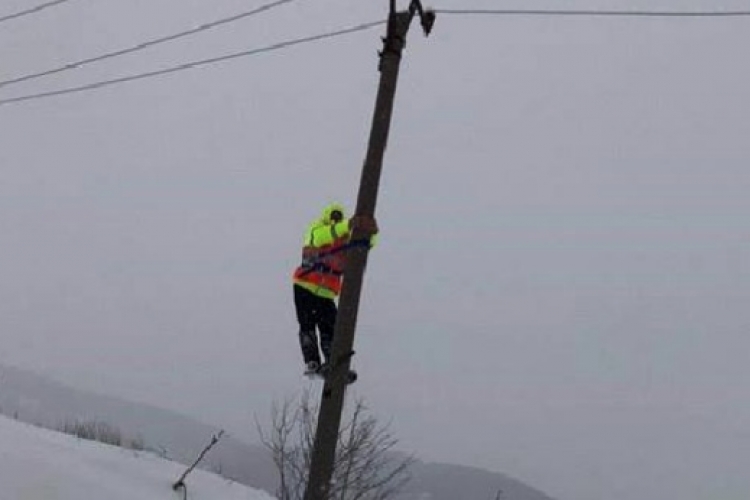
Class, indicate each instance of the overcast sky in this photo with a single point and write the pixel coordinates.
(562, 283)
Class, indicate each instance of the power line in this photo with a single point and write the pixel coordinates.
(193, 64)
(612, 13)
(31, 10)
(144, 45)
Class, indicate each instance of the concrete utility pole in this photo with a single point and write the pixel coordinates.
(332, 401)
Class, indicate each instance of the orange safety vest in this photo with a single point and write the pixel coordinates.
(322, 267)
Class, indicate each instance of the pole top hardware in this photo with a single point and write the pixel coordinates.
(426, 17)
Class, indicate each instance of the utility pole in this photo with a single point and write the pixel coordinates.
(332, 400)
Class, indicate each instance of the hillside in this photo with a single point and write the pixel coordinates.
(41, 401)
(40, 464)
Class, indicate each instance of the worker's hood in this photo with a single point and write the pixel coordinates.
(325, 217)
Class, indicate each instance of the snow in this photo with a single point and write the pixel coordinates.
(39, 464)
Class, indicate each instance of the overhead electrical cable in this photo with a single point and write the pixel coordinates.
(193, 64)
(144, 45)
(612, 13)
(31, 10)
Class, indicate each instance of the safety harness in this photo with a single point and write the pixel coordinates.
(317, 264)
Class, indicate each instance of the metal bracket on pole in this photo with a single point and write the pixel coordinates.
(398, 26)
(426, 17)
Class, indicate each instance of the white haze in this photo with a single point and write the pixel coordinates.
(561, 285)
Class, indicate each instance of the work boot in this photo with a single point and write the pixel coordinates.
(312, 368)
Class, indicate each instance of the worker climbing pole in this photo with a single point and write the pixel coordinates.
(332, 400)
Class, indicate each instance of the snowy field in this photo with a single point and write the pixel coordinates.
(39, 464)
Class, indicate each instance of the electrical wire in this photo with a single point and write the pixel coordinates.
(144, 45)
(193, 64)
(31, 10)
(613, 13)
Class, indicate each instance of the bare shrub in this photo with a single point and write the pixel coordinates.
(95, 430)
(366, 466)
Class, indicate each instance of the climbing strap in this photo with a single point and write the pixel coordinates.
(317, 264)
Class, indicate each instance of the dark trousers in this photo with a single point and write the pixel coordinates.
(314, 312)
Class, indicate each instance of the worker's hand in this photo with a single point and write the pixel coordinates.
(364, 223)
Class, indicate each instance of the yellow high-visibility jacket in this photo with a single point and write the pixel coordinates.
(324, 254)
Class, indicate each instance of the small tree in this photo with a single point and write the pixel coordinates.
(366, 467)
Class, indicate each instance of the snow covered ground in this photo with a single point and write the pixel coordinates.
(39, 464)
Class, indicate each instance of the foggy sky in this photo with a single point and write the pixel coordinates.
(560, 290)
